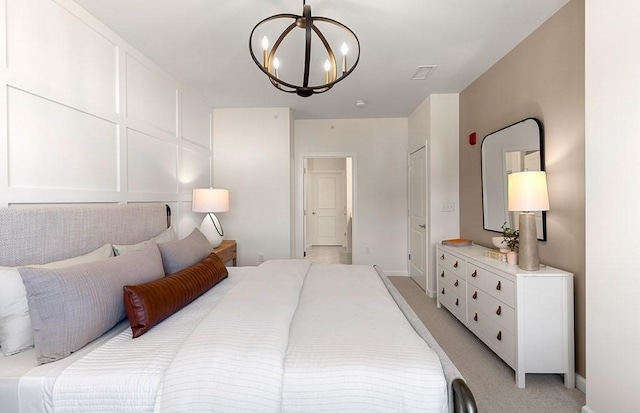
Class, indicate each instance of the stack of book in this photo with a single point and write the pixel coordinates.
(496, 255)
(457, 242)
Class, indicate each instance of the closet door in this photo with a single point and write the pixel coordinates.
(418, 217)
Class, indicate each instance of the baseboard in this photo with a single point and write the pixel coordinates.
(432, 294)
(396, 273)
(581, 383)
(586, 409)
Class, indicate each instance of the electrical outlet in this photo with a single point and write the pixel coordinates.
(449, 206)
(260, 257)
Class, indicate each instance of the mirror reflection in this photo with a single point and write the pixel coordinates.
(516, 148)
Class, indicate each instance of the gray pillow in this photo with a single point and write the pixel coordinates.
(177, 255)
(70, 307)
(167, 235)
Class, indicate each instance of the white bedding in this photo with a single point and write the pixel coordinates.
(267, 338)
(361, 355)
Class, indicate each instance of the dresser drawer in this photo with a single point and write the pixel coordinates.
(454, 302)
(452, 263)
(446, 277)
(499, 312)
(501, 341)
(496, 286)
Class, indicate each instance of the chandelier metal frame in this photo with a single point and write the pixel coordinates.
(306, 22)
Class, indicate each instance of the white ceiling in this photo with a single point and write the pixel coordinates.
(204, 44)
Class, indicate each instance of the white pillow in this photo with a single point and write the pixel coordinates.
(167, 235)
(16, 333)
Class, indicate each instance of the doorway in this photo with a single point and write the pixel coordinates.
(328, 209)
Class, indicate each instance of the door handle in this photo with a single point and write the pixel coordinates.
(313, 213)
(423, 226)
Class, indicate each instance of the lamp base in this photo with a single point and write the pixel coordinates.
(208, 228)
(528, 242)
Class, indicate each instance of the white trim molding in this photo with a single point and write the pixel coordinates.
(396, 273)
(581, 383)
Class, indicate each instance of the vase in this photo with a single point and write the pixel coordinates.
(512, 257)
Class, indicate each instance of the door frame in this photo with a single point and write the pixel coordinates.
(299, 204)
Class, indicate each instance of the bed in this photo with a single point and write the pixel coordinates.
(285, 336)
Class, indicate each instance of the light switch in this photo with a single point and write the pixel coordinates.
(449, 206)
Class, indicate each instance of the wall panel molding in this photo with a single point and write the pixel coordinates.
(151, 97)
(39, 36)
(90, 119)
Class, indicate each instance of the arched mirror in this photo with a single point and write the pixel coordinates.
(518, 147)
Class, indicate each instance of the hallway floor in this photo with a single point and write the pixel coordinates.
(328, 255)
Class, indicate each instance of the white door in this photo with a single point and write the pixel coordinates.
(326, 219)
(418, 218)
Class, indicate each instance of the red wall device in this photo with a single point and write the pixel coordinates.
(472, 139)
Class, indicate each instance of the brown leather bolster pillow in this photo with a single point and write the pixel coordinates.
(150, 303)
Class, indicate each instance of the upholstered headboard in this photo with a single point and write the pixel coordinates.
(41, 234)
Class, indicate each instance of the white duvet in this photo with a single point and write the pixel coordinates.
(286, 336)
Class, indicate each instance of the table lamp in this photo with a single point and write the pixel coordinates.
(528, 194)
(210, 200)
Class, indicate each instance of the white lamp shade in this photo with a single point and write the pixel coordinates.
(528, 191)
(210, 200)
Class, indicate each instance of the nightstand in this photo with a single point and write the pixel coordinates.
(227, 251)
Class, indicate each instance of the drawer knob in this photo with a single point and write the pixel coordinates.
(475, 295)
(499, 336)
(475, 317)
(457, 302)
(456, 284)
(499, 286)
(443, 291)
(442, 275)
(442, 257)
(474, 274)
(455, 265)
(499, 311)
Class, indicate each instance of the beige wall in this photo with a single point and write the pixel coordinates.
(543, 77)
(252, 160)
(379, 151)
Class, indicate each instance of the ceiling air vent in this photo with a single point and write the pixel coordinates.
(423, 72)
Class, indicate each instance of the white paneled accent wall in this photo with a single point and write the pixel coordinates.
(151, 98)
(90, 119)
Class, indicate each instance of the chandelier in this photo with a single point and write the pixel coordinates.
(318, 73)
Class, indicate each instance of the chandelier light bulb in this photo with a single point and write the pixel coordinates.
(344, 49)
(327, 68)
(276, 63)
(265, 51)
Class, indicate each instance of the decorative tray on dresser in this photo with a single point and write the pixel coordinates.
(525, 317)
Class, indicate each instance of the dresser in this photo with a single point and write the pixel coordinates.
(525, 317)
